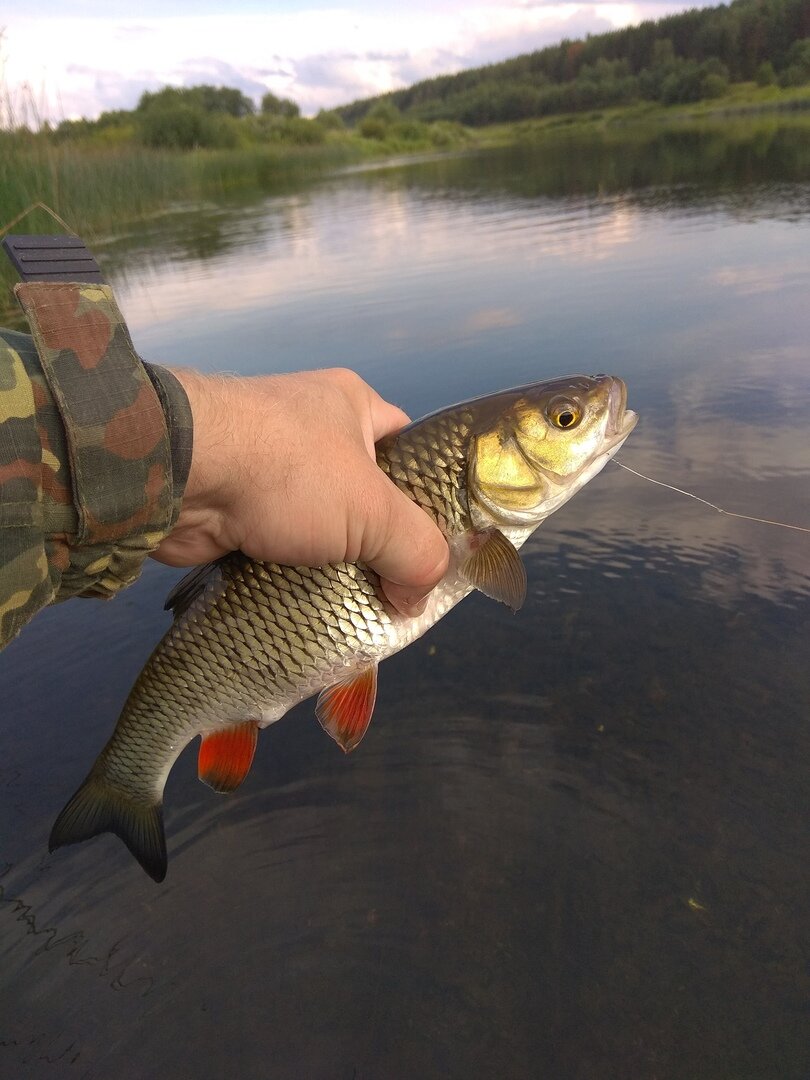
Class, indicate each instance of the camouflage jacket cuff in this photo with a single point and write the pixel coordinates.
(177, 411)
(116, 439)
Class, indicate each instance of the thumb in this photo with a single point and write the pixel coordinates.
(410, 554)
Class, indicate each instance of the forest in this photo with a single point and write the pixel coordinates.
(678, 59)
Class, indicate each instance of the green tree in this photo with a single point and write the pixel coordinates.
(384, 110)
(177, 126)
(208, 99)
(797, 64)
(372, 128)
(799, 54)
(187, 127)
(330, 120)
(663, 54)
(379, 119)
(272, 105)
(298, 131)
(713, 85)
(223, 99)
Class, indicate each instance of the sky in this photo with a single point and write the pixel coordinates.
(62, 59)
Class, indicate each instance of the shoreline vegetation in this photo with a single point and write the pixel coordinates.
(103, 191)
(716, 70)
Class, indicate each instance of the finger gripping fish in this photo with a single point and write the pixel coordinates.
(252, 639)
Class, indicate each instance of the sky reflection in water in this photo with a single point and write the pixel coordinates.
(572, 842)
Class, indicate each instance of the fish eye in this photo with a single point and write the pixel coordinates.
(564, 414)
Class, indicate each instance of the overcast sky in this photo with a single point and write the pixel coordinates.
(79, 57)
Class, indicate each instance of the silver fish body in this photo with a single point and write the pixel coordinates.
(251, 639)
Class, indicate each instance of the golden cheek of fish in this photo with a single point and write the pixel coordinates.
(251, 639)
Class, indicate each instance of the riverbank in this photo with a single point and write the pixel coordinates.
(743, 102)
(103, 190)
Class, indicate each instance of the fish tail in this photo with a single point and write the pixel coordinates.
(99, 807)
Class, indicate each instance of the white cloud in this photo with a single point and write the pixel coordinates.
(750, 280)
(321, 57)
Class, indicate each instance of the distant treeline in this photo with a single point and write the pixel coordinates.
(680, 58)
(223, 118)
(187, 117)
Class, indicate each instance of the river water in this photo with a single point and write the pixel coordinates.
(574, 843)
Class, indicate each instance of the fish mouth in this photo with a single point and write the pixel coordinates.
(621, 420)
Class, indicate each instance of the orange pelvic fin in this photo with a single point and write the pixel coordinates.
(226, 756)
(344, 710)
(494, 568)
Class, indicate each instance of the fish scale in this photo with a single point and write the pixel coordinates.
(267, 601)
(251, 639)
(428, 462)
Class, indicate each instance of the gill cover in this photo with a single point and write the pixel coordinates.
(537, 445)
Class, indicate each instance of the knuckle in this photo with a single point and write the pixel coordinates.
(349, 383)
(343, 376)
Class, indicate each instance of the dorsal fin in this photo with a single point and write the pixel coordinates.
(188, 588)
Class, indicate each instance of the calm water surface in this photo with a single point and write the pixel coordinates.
(575, 841)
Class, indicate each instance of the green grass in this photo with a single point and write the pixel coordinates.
(95, 188)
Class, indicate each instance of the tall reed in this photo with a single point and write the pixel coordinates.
(101, 191)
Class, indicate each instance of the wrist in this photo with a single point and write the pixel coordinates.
(222, 423)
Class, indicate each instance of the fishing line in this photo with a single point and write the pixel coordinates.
(714, 506)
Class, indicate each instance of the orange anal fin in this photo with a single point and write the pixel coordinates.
(226, 756)
(344, 710)
(493, 566)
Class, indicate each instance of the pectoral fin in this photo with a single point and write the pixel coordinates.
(226, 756)
(188, 588)
(344, 710)
(494, 568)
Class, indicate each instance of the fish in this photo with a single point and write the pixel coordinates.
(251, 639)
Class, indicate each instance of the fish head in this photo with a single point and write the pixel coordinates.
(534, 447)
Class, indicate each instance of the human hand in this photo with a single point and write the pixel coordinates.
(283, 469)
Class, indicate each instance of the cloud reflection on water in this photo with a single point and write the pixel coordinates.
(732, 429)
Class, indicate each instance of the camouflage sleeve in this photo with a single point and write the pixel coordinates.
(95, 448)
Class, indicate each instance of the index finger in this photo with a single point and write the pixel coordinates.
(385, 417)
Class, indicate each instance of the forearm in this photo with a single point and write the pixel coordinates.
(92, 478)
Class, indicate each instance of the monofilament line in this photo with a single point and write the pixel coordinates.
(713, 506)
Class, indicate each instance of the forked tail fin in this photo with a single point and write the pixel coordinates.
(97, 807)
